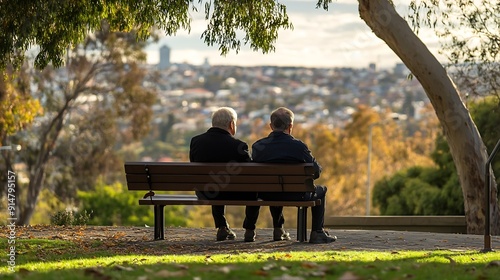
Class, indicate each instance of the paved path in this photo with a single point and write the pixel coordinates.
(202, 240)
(347, 240)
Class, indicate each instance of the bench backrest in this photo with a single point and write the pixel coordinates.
(190, 176)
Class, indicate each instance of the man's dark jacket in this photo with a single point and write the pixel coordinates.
(218, 145)
(279, 147)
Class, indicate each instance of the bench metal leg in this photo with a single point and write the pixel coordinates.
(159, 222)
(302, 224)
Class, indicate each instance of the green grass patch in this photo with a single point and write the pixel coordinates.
(56, 259)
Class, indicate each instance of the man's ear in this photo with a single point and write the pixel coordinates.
(232, 128)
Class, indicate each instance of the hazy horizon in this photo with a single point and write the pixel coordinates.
(334, 38)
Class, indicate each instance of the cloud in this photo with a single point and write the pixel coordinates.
(334, 38)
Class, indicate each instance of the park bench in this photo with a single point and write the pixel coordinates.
(179, 180)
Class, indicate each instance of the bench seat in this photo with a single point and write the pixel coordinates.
(180, 199)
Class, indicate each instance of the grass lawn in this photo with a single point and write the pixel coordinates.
(58, 259)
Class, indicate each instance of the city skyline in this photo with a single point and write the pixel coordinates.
(334, 38)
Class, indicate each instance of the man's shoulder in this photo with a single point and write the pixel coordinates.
(240, 141)
(196, 137)
(260, 142)
(297, 141)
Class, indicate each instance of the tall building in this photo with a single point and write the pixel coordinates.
(206, 64)
(372, 66)
(164, 58)
(401, 70)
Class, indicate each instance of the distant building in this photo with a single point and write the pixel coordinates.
(164, 58)
(206, 64)
(400, 70)
(372, 67)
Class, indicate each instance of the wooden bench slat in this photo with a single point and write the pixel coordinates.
(212, 187)
(193, 200)
(248, 179)
(217, 168)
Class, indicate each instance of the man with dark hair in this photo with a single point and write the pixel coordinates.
(281, 147)
(219, 145)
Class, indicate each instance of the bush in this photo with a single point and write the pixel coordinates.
(70, 218)
(436, 190)
(113, 205)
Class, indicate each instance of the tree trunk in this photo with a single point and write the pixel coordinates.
(37, 170)
(466, 146)
(34, 189)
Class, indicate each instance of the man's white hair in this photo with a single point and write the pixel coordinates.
(223, 116)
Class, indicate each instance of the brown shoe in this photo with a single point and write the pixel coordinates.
(280, 234)
(321, 236)
(250, 235)
(224, 233)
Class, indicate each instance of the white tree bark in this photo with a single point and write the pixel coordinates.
(467, 149)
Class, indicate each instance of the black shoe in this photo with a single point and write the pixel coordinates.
(224, 233)
(280, 234)
(250, 235)
(321, 236)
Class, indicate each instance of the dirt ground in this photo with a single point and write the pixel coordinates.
(178, 240)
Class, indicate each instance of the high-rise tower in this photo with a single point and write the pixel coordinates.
(164, 58)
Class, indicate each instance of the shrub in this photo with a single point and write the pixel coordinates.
(113, 205)
(70, 218)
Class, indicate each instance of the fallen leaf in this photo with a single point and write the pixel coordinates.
(181, 266)
(284, 268)
(369, 266)
(349, 276)
(118, 235)
(225, 269)
(122, 268)
(288, 277)
(309, 265)
(166, 273)
(261, 273)
(96, 274)
(24, 271)
(317, 273)
(269, 267)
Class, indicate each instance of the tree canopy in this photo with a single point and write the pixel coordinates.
(473, 53)
(85, 106)
(52, 26)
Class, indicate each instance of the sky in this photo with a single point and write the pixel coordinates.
(334, 38)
